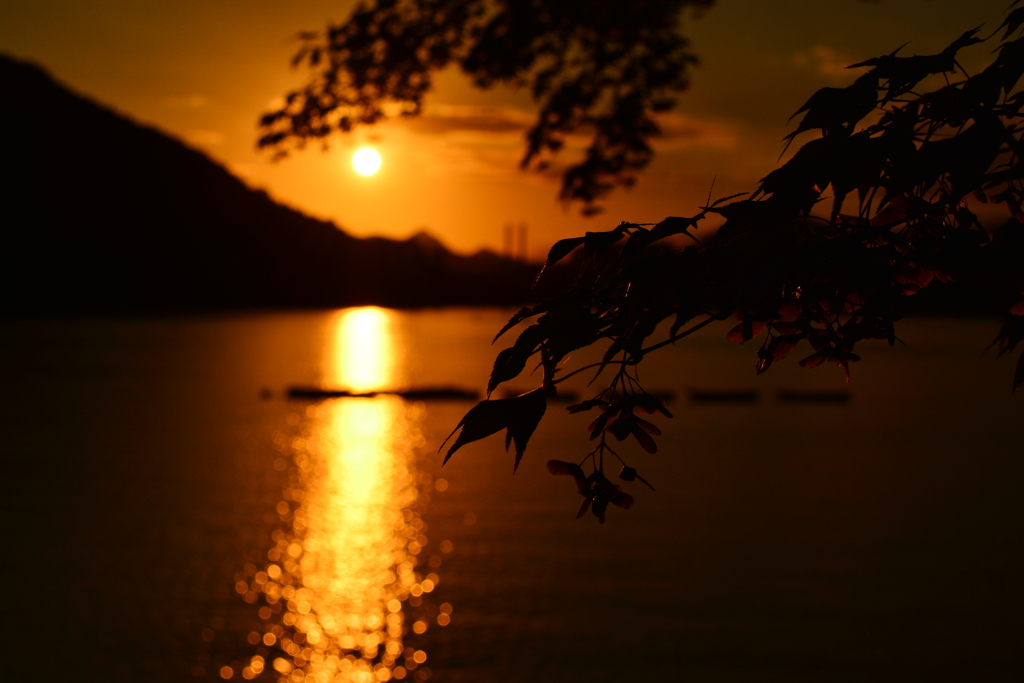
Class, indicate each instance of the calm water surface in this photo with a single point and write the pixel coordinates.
(171, 516)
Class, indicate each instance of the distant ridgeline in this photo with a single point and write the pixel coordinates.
(100, 214)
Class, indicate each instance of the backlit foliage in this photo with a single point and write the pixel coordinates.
(598, 67)
(877, 206)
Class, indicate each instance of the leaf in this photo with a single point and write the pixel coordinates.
(630, 474)
(814, 360)
(782, 347)
(512, 361)
(675, 226)
(736, 334)
(527, 411)
(503, 368)
(621, 427)
(482, 420)
(650, 404)
(648, 427)
(636, 243)
(562, 248)
(519, 415)
(835, 109)
(586, 405)
(519, 317)
(621, 499)
(1012, 22)
(597, 243)
(746, 330)
(644, 439)
(559, 467)
(598, 425)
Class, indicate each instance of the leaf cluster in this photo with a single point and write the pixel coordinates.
(598, 67)
(878, 205)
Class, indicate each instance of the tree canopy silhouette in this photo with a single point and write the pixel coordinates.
(881, 202)
(598, 66)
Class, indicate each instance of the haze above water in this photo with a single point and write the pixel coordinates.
(171, 519)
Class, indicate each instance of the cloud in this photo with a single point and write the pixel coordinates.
(490, 140)
(185, 102)
(826, 61)
(679, 131)
(449, 118)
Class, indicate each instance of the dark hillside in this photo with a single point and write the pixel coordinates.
(101, 214)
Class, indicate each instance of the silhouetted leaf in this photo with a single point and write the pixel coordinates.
(621, 427)
(836, 109)
(562, 467)
(586, 405)
(485, 418)
(596, 244)
(635, 243)
(648, 427)
(573, 470)
(674, 226)
(527, 412)
(598, 425)
(746, 330)
(505, 368)
(621, 499)
(645, 440)
(1012, 22)
(630, 474)
(650, 404)
(814, 360)
(562, 248)
(512, 361)
(519, 415)
(521, 315)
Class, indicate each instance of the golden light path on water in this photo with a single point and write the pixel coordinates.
(344, 570)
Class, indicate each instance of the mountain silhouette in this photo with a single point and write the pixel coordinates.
(103, 215)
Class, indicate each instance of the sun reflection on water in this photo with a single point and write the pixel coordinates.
(343, 572)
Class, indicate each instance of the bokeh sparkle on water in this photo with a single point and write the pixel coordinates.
(344, 584)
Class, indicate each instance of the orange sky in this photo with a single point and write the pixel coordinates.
(203, 70)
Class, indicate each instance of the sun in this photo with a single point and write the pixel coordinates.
(366, 161)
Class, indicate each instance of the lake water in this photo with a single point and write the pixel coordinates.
(172, 516)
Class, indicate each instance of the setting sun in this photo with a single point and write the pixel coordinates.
(366, 161)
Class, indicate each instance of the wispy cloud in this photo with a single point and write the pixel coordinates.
(826, 61)
(679, 131)
(194, 101)
(448, 118)
(489, 140)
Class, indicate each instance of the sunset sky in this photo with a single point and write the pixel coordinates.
(204, 70)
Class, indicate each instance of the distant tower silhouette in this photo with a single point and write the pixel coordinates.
(507, 252)
(522, 242)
